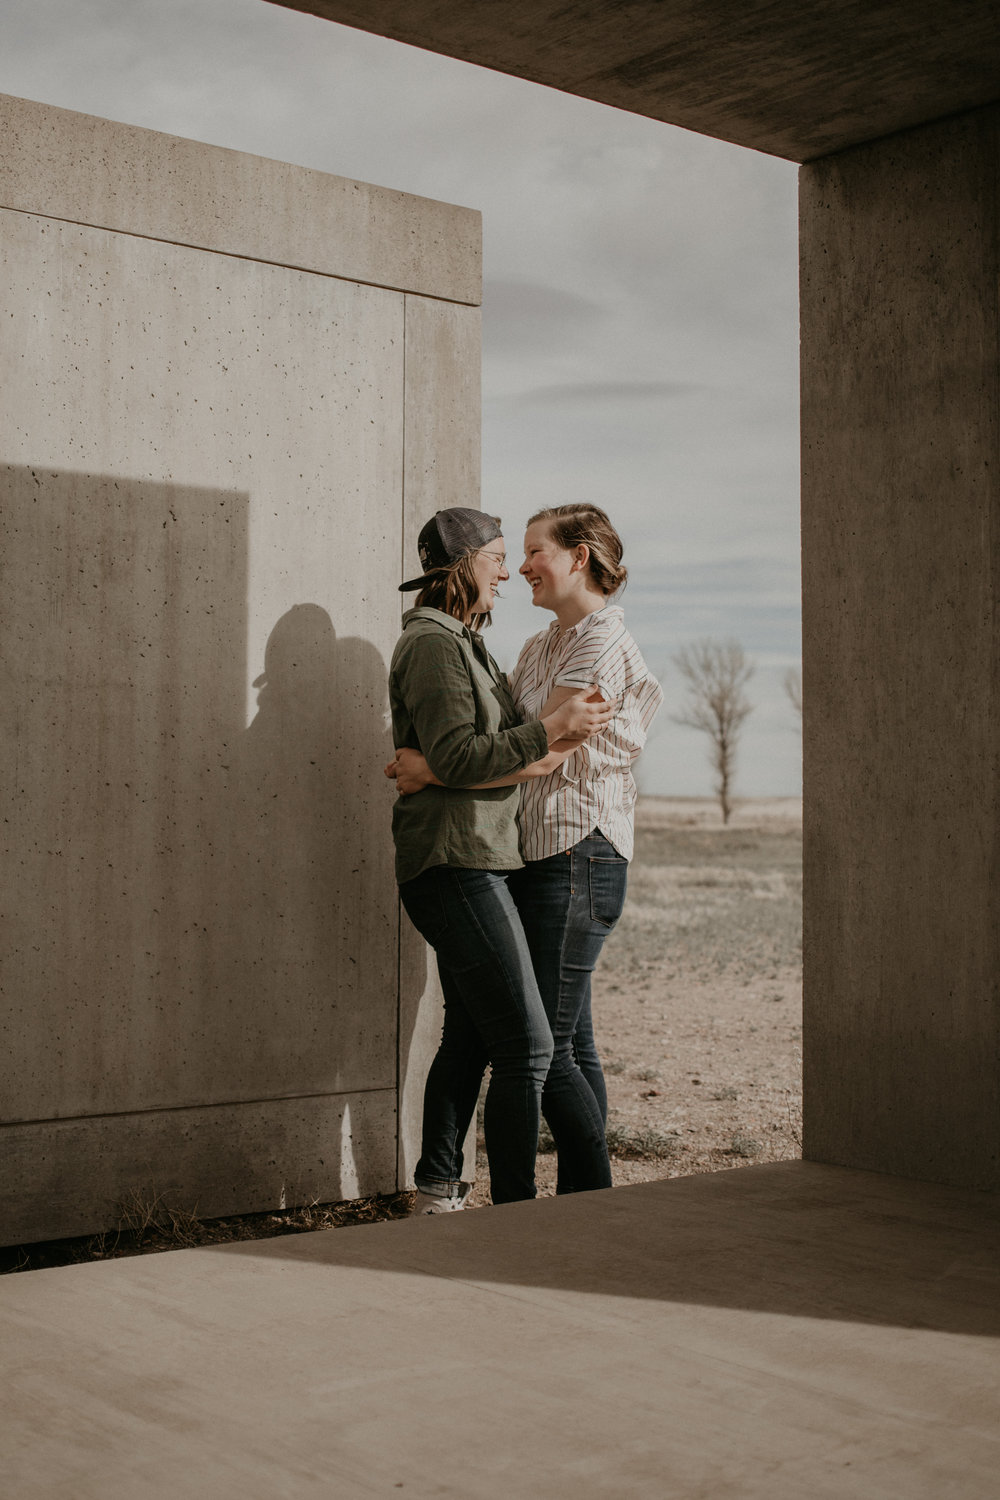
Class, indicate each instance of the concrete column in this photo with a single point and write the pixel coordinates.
(901, 539)
(441, 467)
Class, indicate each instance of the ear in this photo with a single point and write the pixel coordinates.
(581, 557)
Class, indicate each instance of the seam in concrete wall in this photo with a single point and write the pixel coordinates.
(134, 181)
(260, 260)
(191, 1109)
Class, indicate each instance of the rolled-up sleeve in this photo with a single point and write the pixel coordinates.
(594, 661)
(611, 752)
(433, 681)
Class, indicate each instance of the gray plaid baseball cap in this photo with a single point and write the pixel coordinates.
(449, 535)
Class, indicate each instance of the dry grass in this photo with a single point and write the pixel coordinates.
(147, 1225)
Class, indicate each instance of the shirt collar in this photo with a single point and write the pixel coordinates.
(436, 617)
(575, 629)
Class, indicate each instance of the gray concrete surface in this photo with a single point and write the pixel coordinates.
(66, 165)
(771, 1332)
(795, 80)
(900, 518)
(441, 468)
(205, 478)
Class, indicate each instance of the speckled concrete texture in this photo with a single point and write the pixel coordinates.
(901, 509)
(91, 171)
(442, 469)
(201, 523)
(761, 1334)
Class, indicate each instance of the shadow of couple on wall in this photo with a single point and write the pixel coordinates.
(202, 920)
(311, 955)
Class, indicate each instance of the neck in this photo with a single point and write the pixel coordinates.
(571, 611)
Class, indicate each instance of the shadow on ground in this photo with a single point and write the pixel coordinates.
(792, 1238)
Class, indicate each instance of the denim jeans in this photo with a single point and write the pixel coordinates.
(493, 1013)
(568, 905)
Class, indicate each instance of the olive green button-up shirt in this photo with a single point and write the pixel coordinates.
(450, 700)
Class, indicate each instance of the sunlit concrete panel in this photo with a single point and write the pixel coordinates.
(78, 167)
(236, 896)
(201, 508)
(442, 409)
(441, 468)
(901, 520)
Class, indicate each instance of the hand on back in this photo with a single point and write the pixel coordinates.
(410, 772)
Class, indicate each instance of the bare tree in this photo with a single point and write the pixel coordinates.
(793, 687)
(717, 672)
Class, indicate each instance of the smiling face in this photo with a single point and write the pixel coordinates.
(489, 567)
(553, 572)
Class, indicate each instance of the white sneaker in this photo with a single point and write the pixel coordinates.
(429, 1203)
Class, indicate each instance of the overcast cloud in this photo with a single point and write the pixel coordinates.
(640, 336)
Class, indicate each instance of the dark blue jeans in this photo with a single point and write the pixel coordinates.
(493, 1013)
(568, 905)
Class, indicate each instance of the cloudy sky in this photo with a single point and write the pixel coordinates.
(640, 335)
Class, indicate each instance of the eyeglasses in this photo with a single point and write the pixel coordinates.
(500, 558)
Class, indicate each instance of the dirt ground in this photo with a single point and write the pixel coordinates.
(698, 996)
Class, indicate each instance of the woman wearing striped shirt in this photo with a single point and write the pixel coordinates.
(576, 821)
(455, 848)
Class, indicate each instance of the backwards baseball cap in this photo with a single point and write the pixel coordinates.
(449, 535)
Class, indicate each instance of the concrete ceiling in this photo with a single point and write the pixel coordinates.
(795, 78)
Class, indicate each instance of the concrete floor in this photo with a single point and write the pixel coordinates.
(782, 1331)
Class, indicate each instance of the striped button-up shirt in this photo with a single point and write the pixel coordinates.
(594, 787)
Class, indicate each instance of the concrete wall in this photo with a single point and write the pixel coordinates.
(229, 386)
(901, 543)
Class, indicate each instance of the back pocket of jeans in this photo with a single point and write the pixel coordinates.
(608, 881)
(424, 904)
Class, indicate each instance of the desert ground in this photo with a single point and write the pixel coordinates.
(698, 996)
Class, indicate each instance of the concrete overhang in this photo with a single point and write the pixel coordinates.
(791, 79)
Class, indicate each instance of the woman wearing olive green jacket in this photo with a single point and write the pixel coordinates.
(456, 844)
